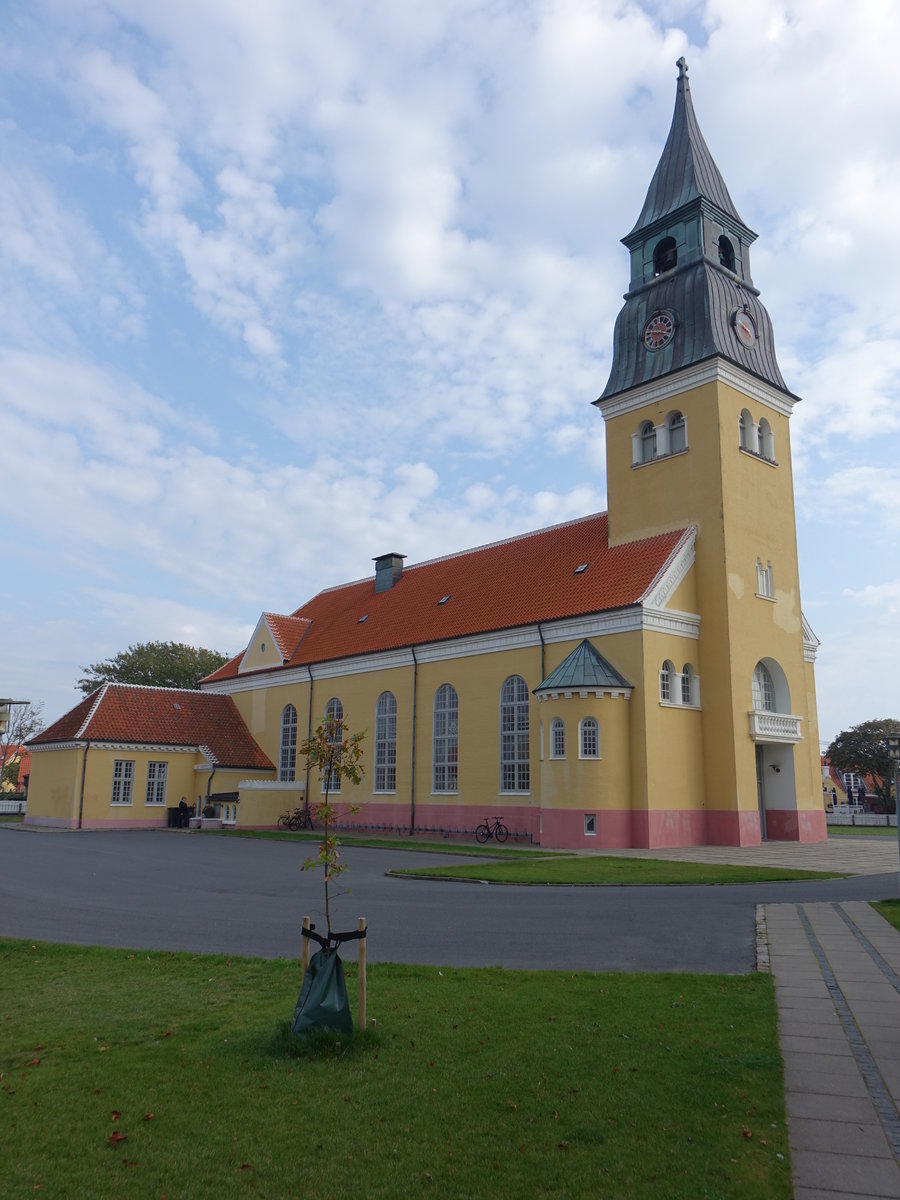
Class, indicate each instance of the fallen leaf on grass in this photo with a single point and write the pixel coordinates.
(115, 1115)
(115, 1137)
(562, 1145)
(129, 1162)
(149, 1116)
(748, 1133)
(35, 1062)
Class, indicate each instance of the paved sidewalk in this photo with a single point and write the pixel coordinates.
(837, 978)
(847, 854)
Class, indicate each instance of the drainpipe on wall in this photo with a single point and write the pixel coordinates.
(308, 736)
(209, 785)
(412, 785)
(543, 648)
(87, 746)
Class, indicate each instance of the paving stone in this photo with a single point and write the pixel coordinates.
(826, 1083)
(838, 1172)
(838, 1137)
(803, 1062)
(837, 1045)
(820, 1106)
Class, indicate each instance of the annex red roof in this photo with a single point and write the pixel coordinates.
(122, 712)
(531, 578)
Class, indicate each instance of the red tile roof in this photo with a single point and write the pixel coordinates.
(288, 633)
(507, 584)
(121, 712)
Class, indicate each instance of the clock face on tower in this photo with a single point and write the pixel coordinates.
(744, 327)
(659, 330)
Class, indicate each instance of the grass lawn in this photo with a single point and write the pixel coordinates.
(889, 909)
(127, 1074)
(593, 871)
(863, 831)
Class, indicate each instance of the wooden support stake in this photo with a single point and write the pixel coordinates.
(304, 951)
(362, 975)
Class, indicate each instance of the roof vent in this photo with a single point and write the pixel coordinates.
(388, 569)
(444, 599)
(364, 617)
(581, 568)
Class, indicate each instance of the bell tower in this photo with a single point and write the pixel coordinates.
(697, 434)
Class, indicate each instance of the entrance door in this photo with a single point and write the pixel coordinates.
(760, 792)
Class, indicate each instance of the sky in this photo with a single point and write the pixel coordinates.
(288, 285)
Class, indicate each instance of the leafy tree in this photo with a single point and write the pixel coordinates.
(335, 754)
(160, 664)
(24, 721)
(864, 749)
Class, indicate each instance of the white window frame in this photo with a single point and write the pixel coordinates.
(515, 737)
(557, 738)
(765, 584)
(386, 743)
(445, 740)
(690, 686)
(334, 711)
(667, 693)
(589, 738)
(287, 754)
(122, 781)
(590, 824)
(763, 689)
(157, 782)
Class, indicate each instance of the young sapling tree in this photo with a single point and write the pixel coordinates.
(335, 754)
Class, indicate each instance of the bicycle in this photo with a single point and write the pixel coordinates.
(491, 827)
(296, 820)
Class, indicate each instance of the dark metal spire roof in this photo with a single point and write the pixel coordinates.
(686, 171)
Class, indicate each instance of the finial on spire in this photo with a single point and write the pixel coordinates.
(682, 68)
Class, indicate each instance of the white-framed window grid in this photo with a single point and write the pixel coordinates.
(157, 778)
(515, 767)
(558, 738)
(765, 583)
(287, 759)
(445, 740)
(386, 743)
(334, 712)
(590, 738)
(123, 780)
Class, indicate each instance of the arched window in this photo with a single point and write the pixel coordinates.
(766, 440)
(665, 256)
(667, 683)
(334, 722)
(747, 432)
(726, 253)
(648, 442)
(514, 756)
(558, 738)
(590, 738)
(386, 743)
(690, 686)
(287, 759)
(763, 689)
(677, 432)
(445, 744)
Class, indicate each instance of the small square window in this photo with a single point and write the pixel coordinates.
(590, 824)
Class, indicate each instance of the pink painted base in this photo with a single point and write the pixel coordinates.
(792, 826)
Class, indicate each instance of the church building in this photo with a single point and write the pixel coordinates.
(636, 678)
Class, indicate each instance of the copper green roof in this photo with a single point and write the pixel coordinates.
(584, 670)
(686, 171)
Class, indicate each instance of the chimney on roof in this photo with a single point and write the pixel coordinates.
(388, 569)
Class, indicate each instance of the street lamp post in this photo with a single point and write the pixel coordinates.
(893, 749)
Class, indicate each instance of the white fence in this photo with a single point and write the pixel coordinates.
(851, 817)
(16, 806)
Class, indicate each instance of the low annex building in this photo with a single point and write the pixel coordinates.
(640, 677)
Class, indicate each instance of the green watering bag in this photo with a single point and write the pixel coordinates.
(323, 1001)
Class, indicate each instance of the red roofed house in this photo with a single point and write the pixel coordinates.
(642, 677)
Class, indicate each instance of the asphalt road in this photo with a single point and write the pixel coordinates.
(168, 890)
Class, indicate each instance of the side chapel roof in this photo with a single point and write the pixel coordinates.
(129, 713)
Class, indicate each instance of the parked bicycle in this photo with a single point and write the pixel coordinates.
(296, 820)
(491, 827)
